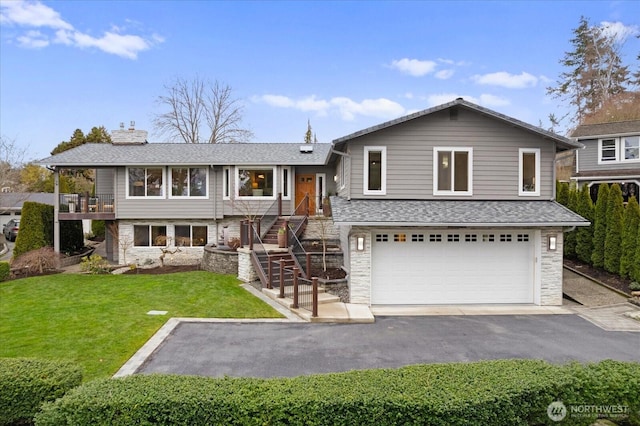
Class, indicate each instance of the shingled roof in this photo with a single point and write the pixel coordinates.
(105, 154)
(561, 141)
(590, 131)
(441, 213)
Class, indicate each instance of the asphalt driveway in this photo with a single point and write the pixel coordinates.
(270, 349)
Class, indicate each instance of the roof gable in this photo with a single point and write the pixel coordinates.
(562, 143)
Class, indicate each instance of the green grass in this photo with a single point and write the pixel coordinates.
(100, 321)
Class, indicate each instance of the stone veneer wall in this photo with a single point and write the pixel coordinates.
(246, 272)
(313, 231)
(360, 267)
(551, 268)
(220, 261)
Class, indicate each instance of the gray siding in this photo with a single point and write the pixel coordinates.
(105, 181)
(410, 156)
(167, 208)
(588, 159)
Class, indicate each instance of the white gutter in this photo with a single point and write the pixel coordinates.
(464, 225)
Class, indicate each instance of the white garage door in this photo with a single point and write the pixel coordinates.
(426, 267)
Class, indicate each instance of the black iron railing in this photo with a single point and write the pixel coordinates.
(87, 203)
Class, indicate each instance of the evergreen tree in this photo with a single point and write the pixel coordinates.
(635, 269)
(570, 237)
(308, 134)
(584, 234)
(600, 226)
(593, 69)
(562, 193)
(613, 238)
(631, 222)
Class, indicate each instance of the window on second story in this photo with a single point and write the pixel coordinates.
(529, 172)
(188, 182)
(452, 171)
(631, 148)
(375, 170)
(146, 182)
(226, 183)
(608, 150)
(341, 171)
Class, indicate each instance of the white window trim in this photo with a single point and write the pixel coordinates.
(226, 183)
(147, 197)
(206, 195)
(246, 197)
(452, 149)
(288, 188)
(617, 151)
(383, 170)
(622, 149)
(522, 192)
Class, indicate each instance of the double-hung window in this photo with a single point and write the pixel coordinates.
(529, 172)
(375, 170)
(145, 182)
(189, 182)
(622, 149)
(452, 171)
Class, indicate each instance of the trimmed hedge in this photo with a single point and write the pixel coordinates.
(98, 228)
(26, 383)
(515, 392)
(5, 271)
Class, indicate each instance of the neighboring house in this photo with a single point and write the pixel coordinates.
(450, 205)
(186, 195)
(611, 154)
(11, 203)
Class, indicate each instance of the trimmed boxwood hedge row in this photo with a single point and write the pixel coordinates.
(26, 383)
(492, 392)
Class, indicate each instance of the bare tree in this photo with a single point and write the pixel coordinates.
(201, 111)
(11, 159)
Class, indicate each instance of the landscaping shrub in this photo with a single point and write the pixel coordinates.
(71, 236)
(630, 227)
(584, 234)
(98, 228)
(600, 226)
(35, 262)
(514, 392)
(5, 271)
(570, 238)
(26, 383)
(562, 193)
(95, 264)
(34, 232)
(613, 236)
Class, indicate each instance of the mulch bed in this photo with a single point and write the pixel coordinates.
(163, 270)
(329, 274)
(612, 280)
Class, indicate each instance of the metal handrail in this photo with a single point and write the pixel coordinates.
(298, 252)
(271, 215)
(305, 200)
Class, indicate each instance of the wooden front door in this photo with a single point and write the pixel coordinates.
(306, 184)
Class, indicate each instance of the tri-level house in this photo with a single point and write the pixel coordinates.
(450, 205)
(611, 154)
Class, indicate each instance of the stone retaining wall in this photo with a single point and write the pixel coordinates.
(220, 261)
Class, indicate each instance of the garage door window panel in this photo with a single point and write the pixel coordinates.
(453, 171)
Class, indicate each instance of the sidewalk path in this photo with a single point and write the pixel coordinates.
(587, 292)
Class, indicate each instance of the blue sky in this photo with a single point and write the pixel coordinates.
(344, 66)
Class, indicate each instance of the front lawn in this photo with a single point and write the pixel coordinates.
(100, 321)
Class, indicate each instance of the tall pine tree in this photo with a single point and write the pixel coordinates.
(631, 223)
(600, 226)
(562, 193)
(613, 238)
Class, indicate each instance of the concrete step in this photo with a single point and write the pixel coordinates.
(338, 312)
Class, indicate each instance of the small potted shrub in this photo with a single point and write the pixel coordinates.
(282, 237)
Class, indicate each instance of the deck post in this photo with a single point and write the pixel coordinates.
(314, 282)
(279, 204)
(250, 231)
(295, 288)
(281, 295)
(286, 232)
(308, 256)
(269, 272)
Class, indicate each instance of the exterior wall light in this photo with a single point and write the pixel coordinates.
(360, 243)
(552, 243)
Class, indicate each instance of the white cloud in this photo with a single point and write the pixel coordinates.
(493, 101)
(347, 108)
(27, 14)
(504, 79)
(414, 67)
(31, 14)
(33, 40)
(618, 30)
(484, 99)
(444, 74)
